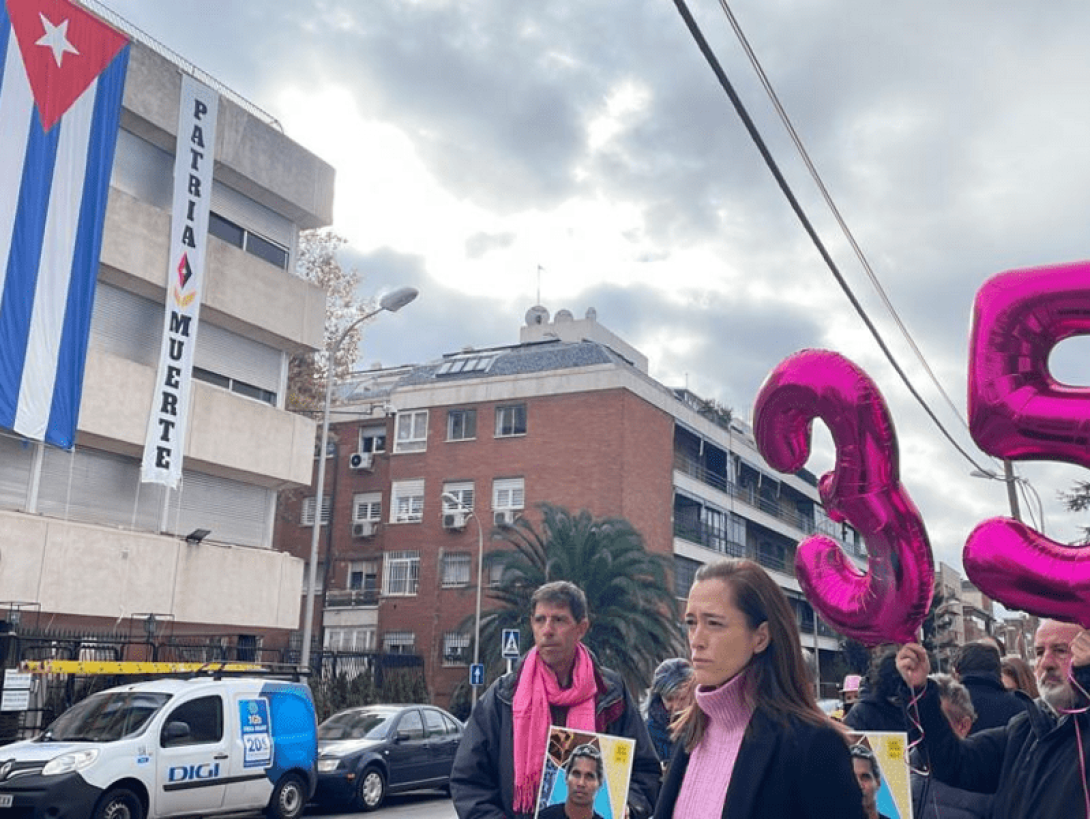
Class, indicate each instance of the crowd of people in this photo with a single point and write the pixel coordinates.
(735, 731)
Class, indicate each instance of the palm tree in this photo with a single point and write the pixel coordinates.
(632, 612)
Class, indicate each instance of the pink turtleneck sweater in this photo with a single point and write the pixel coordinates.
(704, 789)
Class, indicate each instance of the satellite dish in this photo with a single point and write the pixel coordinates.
(537, 315)
(563, 315)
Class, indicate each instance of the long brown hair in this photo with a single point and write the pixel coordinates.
(779, 684)
(1023, 677)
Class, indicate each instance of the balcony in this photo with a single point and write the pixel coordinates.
(351, 598)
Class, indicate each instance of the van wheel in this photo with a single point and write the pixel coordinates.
(289, 798)
(371, 790)
(119, 803)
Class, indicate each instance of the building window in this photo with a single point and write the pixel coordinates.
(466, 364)
(236, 386)
(684, 573)
(256, 245)
(455, 569)
(399, 642)
(350, 639)
(319, 578)
(461, 424)
(367, 506)
(412, 431)
(455, 648)
(407, 501)
(400, 574)
(508, 499)
(363, 576)
(373, 439)
(463, 493)
(510, 420)
(306, 518)
(495, 573)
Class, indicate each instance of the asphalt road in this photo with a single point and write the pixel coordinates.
(418, 805)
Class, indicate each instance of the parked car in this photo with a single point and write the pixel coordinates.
(365, 753)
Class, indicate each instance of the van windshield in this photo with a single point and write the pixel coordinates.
(105, 717)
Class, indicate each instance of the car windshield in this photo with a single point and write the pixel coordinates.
(105, 717)
(366, 724)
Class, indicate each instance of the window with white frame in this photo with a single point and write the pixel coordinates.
(407, 501)
(461, 424)
(306, 518)
(455, 569)
(455, 648)
(367, 506)
(509, 497)
(399, 642)
(400, 573)
(510, 420)
(373, 438)
(462, 491)
(412, 431)
(360, 638)
(495, 573)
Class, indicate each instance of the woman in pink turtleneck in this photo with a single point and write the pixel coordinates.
(754, 744)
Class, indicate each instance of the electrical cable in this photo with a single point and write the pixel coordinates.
(758, 141)
(804, 154)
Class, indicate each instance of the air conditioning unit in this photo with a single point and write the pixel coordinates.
(505, 517)
(363, 528)
(361, 460)
(454, 520)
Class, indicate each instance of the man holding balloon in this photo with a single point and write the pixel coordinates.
(1036, 764)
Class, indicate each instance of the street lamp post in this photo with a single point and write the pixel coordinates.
(453, 501)
(391, 302)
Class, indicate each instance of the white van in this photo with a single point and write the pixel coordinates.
(169, 747)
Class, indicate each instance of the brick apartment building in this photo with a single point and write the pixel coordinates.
(568, 416)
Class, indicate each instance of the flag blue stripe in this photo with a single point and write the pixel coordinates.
(64, 411)
(22, 273)
(5, 36)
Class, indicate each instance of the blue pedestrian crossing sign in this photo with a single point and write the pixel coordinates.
(476, 674)
(510, 645)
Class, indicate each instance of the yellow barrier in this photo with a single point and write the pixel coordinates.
(89, 667)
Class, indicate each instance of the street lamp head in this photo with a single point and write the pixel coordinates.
(396, 299)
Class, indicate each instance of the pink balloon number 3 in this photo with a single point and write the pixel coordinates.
(1018, 411)
(890, 600)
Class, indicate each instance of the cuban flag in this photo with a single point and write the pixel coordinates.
(62, 73)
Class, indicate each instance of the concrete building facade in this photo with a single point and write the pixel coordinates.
(83, 542)
(568, 416)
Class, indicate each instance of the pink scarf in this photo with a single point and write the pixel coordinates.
(537, 690)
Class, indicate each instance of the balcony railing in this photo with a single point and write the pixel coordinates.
(351, 598)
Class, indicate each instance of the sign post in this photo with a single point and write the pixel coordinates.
(509, 646)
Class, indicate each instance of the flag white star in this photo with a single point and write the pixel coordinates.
(56, 38)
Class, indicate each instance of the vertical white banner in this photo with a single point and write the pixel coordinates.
(165, 441)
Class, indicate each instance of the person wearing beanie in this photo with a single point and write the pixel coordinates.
(753, 744)
(670, 693)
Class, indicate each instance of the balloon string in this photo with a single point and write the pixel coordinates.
(914, 717)
(1078, 737)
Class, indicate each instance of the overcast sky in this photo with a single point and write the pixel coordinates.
(475, 140)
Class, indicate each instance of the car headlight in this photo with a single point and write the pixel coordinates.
(70, 763)
(328, 763)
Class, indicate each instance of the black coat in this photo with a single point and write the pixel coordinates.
(1031, 764)
(994, 704)
(875, 713)
(796, 772)
(482, 779)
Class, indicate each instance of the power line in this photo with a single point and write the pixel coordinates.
(759, 142)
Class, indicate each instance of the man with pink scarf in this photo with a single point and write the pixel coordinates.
(497, 770)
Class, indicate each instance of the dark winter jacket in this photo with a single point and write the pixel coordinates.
(934, 799)
(799, 771)
(875, 713)
(1031, 764)
(658, 728)
(483, 776)
(994, 704)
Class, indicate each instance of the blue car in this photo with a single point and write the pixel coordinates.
(365, 753)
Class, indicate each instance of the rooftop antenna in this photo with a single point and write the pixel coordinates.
(539, 269)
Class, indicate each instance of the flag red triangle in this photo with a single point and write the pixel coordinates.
(93, 45)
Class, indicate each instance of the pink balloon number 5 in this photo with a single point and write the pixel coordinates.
(1018, 411)
(890, 600)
